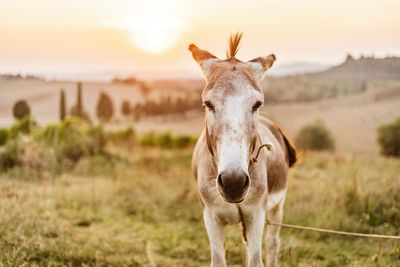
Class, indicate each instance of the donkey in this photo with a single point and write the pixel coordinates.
(236, 185)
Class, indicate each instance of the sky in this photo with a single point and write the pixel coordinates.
(152, 36)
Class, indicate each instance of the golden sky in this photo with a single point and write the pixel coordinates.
(153, 35)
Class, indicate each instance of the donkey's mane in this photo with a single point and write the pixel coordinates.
(234, 42)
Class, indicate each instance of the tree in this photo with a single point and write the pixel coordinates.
(77, 110)
(79, 96)
(104, 109)
(144, 88)
(21, 109)
(349, 57)
(125, 108)
(63, 111)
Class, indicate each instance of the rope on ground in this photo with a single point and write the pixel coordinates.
(328, 231)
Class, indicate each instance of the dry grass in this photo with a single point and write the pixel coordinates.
(144, 211)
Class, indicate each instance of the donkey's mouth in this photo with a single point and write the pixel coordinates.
(231, 199)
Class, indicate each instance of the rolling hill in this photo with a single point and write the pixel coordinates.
(352, 76)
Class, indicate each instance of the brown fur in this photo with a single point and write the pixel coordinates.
(290, 150)
(277, 167)
(291, 154)
(234, 42)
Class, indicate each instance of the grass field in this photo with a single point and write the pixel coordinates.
(142, 209)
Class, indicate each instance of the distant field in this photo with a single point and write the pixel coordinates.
(352, 119)
(43, 97)
(143, 210)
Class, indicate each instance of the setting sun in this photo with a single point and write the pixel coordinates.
(155, 34)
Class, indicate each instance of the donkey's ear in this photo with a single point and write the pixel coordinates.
(262, 64)
(204, 58)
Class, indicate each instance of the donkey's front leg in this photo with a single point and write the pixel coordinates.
(272, 240)
(254, 227)
(215, 231)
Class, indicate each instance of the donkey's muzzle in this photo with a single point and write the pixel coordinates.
(233, 185)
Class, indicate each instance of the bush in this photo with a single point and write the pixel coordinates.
(127, 134)
(21, 109)
(9, 155)
(78, 139)
(315, 137)
(4, 135)
(389, 138)
(104, 109)
(148, 139)
(166, 140)
(53, 147)
(184, 141)
(73, 139)
(97, 140)
(22, 126)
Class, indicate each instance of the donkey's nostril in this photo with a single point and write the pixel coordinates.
(233, 185)
(246, 182)
(219, 180)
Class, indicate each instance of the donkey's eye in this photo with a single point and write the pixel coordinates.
(209, 105)
(256, 106)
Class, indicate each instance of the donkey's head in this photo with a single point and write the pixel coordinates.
(232, 98)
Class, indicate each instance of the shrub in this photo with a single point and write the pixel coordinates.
(183, 141)
(104, 109)
(96, 140)
(148, 139)
(127, 134)
(53, 147)
(22, 126)
(4, 135)
(78, 139)
(9, 155)
(73, 139)
(389, 138)
(315, 137)
(165, 140)
(21, 109)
